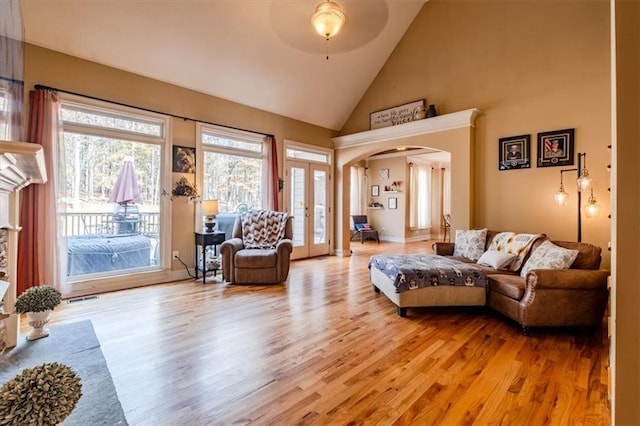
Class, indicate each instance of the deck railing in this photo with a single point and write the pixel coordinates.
(96, 223)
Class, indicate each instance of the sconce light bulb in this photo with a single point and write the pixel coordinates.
(592, 208)
(584, 181)
(561, 196)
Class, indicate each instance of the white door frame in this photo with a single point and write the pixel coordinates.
(318, 159)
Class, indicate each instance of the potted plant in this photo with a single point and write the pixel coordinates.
(37, 303)
(42, 395)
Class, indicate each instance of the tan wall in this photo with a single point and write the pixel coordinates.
(459, 142)
(530, 67)
(626, 238)
(49, 68)
(390, 223)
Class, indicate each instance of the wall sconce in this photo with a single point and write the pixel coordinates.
(583, 183)
(209, 212)
(592, 208)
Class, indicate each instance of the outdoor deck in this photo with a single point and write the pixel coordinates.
(99, 242)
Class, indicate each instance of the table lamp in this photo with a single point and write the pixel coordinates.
(209, 211)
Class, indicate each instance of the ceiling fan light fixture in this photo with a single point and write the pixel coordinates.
(328, 18)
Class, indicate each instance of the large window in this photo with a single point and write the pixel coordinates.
(234, 168)
(10, 110)
(110, 194)
(4, 113)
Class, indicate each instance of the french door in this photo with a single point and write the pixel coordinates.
(308, 201)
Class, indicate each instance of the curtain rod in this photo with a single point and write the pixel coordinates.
(42, 87)
(12, 80)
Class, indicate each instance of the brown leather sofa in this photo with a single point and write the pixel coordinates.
(256, 266)
(547, 297)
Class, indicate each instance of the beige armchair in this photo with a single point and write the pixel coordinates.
(241, 265)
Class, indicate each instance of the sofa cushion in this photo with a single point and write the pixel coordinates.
(496, 259)
(253, 259)
(549, 256)
(470, 243)
(589, 256)
(509, 285)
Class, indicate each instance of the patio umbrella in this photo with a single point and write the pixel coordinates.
(126, 190)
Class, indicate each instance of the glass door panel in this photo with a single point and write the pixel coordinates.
(308, 195)
(319, 221)
(297, 207)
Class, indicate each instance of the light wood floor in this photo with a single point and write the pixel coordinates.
(325, 349)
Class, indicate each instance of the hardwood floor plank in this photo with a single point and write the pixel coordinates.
(325, 349)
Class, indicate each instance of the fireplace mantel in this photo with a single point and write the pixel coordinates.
(21, 164)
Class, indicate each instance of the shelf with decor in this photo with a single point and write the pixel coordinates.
(375, 208)
(390, 192)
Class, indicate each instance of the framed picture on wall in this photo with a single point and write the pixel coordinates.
(555, 148)
(393, 203)
(184, 159)
(375, 190)
(514, 152)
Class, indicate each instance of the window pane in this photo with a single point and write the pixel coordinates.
(209, 139)
(4, 107)
(320, 206)
(105, 237)
(297, 207)
(111, 121)
(307, 155)
(234, 180)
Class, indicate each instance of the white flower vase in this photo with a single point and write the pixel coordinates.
(37, 321)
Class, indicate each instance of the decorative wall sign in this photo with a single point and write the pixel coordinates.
(375, 190)
(555, 148)
(514, 152)
(396, 115)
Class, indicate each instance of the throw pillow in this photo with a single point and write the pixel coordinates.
(549, 256)
(496, 259)
(500, 240)
(519, 245)
(363, 226)
(470, 244)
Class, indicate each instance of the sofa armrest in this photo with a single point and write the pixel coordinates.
(228, 250)
(563, 297)
(283, 250)
(284, 247)
(567, 279)
(443, 249)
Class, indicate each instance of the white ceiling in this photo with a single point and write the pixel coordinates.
(261, 53)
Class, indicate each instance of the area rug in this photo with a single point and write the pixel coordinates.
(76, 346)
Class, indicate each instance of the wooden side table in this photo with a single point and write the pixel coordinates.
(204, 240)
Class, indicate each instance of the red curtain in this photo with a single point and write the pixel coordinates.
(28, 257)
(273, 168)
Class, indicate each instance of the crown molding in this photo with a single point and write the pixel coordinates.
(441, 123)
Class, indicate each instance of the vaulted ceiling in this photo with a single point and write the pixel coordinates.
(261, 53)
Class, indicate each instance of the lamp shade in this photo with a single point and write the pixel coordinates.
(328, 18)
(592, 208)
(584, 181)
(561, 196)
(210, 207)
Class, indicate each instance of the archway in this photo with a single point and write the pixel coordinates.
(450, 132)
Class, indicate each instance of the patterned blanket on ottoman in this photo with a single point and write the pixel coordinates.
(412, 271)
